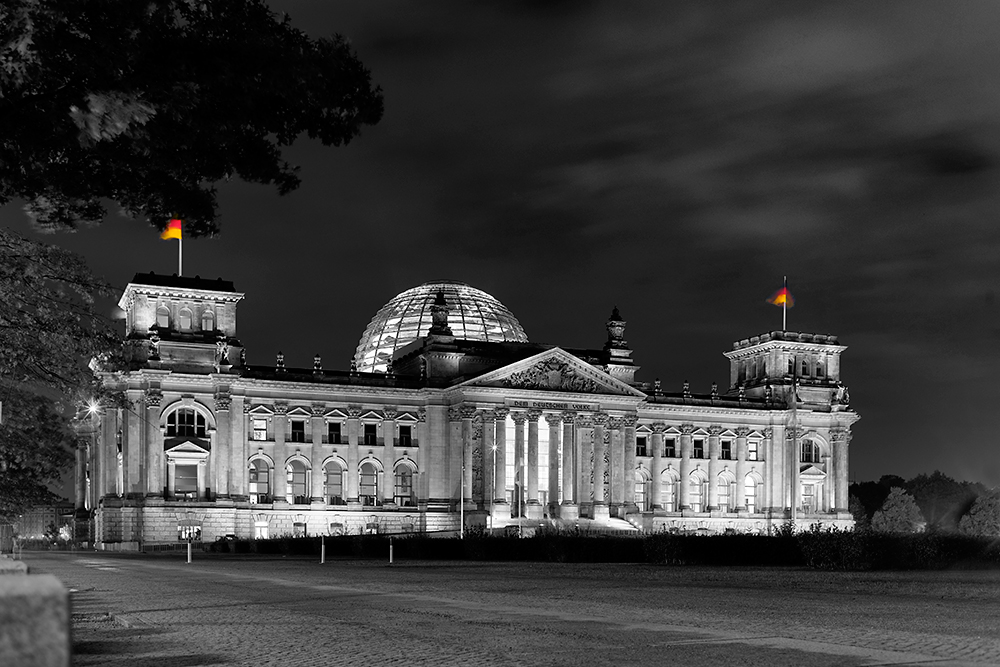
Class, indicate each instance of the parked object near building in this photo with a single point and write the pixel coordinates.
(449, 413)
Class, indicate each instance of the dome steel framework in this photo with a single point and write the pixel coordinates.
(472, 315)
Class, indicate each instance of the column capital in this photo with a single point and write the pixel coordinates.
(615, 422)
(658, 427)
(569, 417)
(318, 409)
(533, 415)
(454, 414)
(222, 401)
(768, 433)
(554, 419)
(585, 421)
(389, 414)
(742, 432)
(599, 418)
(247, 407)
(715, 430)
(153, 398)
(518, 416)
(281, 408)
(687, 429)
(629, 421)
(422, 415)
(353, 412)
(467, 411)
(487, 416)
(501, 412)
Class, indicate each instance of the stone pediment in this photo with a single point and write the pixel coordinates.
(554, 370)
(186, 445)
(811, 471)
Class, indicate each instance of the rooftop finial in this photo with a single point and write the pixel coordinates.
(616, 331)
(439, 316)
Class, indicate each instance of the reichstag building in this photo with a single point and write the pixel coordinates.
(449, 416)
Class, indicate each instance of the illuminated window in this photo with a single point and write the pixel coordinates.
(808, 497)
(297, 480)
(750, 493)
(185, 422)
(724, 500)
(403, 490)
(260, 486)
(696, 487)
(642, 491)
(259, 429)
(368, 491)
(184, 320)
(753, 450)
(668, 492)
(163, 317)
(298, 529)
(207, 321)
(186, 480)
(333, 486)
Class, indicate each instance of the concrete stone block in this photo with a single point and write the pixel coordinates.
(8, 566)
(34, 622)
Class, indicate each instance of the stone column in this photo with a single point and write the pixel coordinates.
(569, 509)
(500, 506)
(555, 431)
(154, 445)
(741, 468)
(839, 478)
(171, 477)
(317, 427)
(584, 464)
(388, 455)
(794, 450)
(201, 473)
(353, 430)
(685, 474)
(467, 413)
(280, 476)
(534, 509)
(601, 510)
(223, 443)
(713, 468)
(773, 446)
(80, 471)
(135, 449)
(519, 471)
(628, 484)
(422, 480)
(656, 490)
(486, 446)
(616, 464)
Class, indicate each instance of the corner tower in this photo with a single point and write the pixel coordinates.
(183, 324)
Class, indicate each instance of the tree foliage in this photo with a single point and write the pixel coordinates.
(898, 514)
(983, 519)
(942, 499)
(150, 103)
(49, 333)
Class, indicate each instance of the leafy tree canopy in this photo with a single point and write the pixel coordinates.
(898, 514)
(49, 333)
(983, 519)
(149, 103)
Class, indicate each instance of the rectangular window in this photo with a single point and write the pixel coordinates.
(699, 449)
(670, 448)
(808, 501)
(298, 431)
(260, 429)
(640, 445)
(727, 450)
(186, 480)
(753, 447)
(371, 435)
(333, 433)
(298, 529)
(405, 436)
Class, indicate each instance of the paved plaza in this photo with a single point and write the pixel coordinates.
(146, 611)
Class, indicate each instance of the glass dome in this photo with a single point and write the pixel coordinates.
(472, 315)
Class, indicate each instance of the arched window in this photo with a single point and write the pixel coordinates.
(208, 321)
(184, 319)
(368, 488)
(668, 491)
(805, 368)
(297, 482)
(260, 481)
(163, 317)
(750, 486)
(810, 452)
(403, 486)
(820, 369)
(791, 366)
(186, 423)
(725, 492)
(333, 483)
(642, 490)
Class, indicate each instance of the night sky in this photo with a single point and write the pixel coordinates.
(673, 159)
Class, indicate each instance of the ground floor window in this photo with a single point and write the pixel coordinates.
(297, 483)
(186, 480)
(403, 489)
(668, 494)
(641, 494)
(724, 501)
(750, 494)
(368, 491)
(333, 487)
(260, 485)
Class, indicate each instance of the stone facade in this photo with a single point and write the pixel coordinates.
(489, 433)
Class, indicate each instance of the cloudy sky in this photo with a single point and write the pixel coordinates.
(673, 159)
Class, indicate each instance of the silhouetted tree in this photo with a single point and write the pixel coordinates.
(983, 518)
(858, 511)
(871, 495)
(943, 500)
(148, 104)
(898, 514)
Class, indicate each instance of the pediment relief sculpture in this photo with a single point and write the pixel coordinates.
(553, 374)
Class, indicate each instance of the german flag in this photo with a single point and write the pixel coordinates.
(782, 297)
(173, 231)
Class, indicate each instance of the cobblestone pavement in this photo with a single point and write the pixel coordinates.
(152, 611)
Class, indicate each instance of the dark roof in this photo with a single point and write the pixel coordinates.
(219, 285)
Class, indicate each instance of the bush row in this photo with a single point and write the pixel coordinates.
(828, 550)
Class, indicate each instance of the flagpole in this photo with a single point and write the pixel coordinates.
(784, 306)
(180, 256)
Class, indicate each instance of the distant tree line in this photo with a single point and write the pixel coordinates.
(933, 503)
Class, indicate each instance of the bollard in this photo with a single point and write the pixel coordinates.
(189, 551)
(390, 551)
(322, 549)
